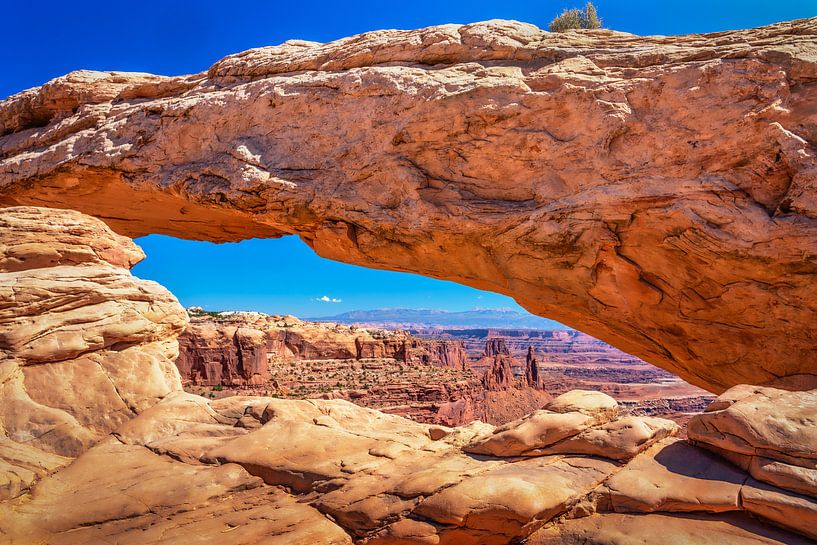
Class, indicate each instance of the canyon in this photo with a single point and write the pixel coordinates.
(654, 192)
(427, 380)
(447, 377)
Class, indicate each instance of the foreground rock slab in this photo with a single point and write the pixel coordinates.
(770, 432)
(655, 192)
(266, 470)
(661, 529)
(567, 415)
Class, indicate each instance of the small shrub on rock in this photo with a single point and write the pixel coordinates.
(576, 19)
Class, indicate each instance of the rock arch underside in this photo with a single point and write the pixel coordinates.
(659, 193)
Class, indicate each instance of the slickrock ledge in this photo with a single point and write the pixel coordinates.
(655, 192)
(327, 472)
(84, 346)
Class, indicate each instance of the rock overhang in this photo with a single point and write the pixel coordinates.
(656, 192)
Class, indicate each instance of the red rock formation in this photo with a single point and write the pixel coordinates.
(532, 370)
(499, 373)
(226, 355)
(379, 348)
(656, 192)
(496, 347)
(436, 352)
(235, 349)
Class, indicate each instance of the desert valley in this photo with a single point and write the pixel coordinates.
(655, 194)
(439, 376)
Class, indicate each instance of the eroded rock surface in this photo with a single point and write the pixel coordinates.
(655, 192)
(564, 417)
(84, 346)
(770, 433)
(239, 348)
(259, 469)
(753, 434)
(664, 529)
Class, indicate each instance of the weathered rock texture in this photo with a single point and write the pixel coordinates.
(84, 346)
(655, 192)
(428, 380)
(237, 348)
(532, 370)
(772, 434)
(100, 445)
(262, 470)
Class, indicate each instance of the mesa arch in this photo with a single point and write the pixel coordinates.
(656, 192)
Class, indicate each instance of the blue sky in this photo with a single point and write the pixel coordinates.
(285, 276)
(46, 39)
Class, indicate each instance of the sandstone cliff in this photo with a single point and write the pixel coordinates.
(84, 346)
(655, 192)
(428, 380)
(237, 348)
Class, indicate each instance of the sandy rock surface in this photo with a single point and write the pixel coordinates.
(331, 472)
(664, 529)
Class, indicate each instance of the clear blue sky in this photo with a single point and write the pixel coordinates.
(46, 39)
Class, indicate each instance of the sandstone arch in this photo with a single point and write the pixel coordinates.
(656, 192)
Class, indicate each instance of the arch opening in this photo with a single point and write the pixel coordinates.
(271, 317)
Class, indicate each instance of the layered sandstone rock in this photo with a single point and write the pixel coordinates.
(664, 529)
(497, 366)
(84, 346)
(327, 472)
(428, 380)
(532, 370)
(228, 355)
(499, 374)
(373, 475)
(621, 439)
(655, 192)
(764, 430)
(569, 360)
(436, 352)
(564, 417)
(238, 348)
(754, 434)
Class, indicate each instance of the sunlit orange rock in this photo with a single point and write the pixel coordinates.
(655, 192)
(84, 345)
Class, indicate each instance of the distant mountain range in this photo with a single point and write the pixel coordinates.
(413, 318)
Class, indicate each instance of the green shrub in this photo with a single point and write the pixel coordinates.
(576, 18)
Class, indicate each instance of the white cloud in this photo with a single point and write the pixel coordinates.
(327, 299)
